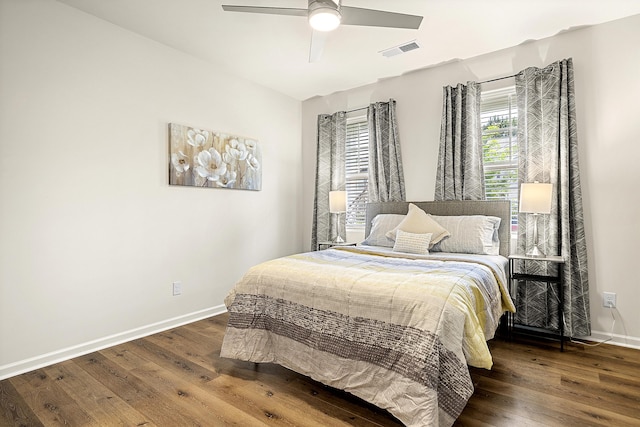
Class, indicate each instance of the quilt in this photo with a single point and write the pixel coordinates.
(397, 331)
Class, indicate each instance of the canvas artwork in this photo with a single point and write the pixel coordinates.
(204, 158)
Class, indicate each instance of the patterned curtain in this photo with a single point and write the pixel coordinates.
(460, 174)
(386, 177)
(330, 175)
(548, 152)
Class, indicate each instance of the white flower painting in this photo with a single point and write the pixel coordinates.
(203, 158)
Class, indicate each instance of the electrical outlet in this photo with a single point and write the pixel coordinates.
(177, 288)
(609, 299)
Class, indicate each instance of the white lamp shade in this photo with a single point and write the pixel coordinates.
(535, 197)
(324, 19)
(337, 201)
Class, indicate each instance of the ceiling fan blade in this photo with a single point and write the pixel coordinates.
(269, 10)
(318, 39)
(379, 18)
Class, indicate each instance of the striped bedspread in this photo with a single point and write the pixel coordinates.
(398, 332)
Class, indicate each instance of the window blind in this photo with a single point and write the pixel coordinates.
(357, 172)
(499, 120)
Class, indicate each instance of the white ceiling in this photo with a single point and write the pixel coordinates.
(273, 50)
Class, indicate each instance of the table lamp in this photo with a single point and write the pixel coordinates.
(338, 205)
(535, 198)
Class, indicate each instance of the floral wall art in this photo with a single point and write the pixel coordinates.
(203, 158)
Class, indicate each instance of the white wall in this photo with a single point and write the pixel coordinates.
(91, 234)
(607, 65)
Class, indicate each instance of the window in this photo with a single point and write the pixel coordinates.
(499, 118)
(357, 171)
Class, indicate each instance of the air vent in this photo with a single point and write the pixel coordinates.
(403, 48)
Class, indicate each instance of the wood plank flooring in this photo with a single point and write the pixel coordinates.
(176, 378)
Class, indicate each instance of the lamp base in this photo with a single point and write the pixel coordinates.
(535, 252)
(338, 238)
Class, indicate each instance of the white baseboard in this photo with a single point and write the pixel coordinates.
(22, 366)
(613, 339)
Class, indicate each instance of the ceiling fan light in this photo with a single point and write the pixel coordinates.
(324, 19)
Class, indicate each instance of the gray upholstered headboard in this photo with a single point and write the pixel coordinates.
(499, 208)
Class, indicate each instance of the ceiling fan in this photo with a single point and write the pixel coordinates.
(326, 15)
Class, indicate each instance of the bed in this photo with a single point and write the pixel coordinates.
(394, 327)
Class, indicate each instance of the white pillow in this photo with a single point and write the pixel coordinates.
(412, 243)
(470, 234)
(418, 221)
(380, 226)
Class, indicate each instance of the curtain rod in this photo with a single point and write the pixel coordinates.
(356, 109)
(498, 78)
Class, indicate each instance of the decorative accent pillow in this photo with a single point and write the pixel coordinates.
(470, 234)
(412, 243)
(418, 221)
(380, 226)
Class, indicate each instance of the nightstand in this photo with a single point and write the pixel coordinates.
(523, 277)
(329, 244)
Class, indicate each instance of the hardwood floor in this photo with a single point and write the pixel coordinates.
(176, 378)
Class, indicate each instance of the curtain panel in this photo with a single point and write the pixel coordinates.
(460, 172)
(386, 176)
(330, 175)
(548, 152)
